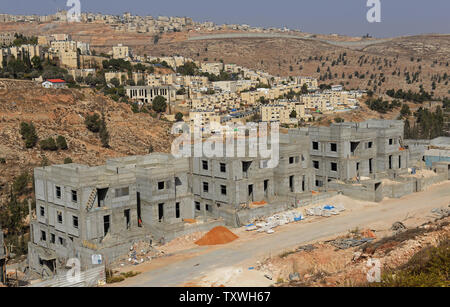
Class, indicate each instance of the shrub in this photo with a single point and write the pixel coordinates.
(45, 161)
(20, 184)
(68, 160)
(29, 135)
(159, 104)
(430, 267)
(48, 144)
(104, 134)
(93, 122)
(61, 142)
(179, 117)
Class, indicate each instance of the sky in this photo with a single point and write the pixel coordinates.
(347, 17)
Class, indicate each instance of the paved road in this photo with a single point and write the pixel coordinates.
(289, 236)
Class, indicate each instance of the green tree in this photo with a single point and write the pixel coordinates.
(68, 160)
(293, 114)
(115, 82)
(104, 134)
(159, 104)
(37, 63)
(181, 91)
(93, 122)
(188, 69)
(29, 135)
(61, 142)
(179, 117)
(405, 111)
(48, 144)
(20, 184)
(304, 89)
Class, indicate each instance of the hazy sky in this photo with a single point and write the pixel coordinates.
(398, 17)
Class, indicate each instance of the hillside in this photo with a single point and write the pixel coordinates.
(399, 62)
(62, 112)
(379, 65)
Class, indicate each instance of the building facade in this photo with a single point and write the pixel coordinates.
(84, 212)
(351, 150)
(146, 94)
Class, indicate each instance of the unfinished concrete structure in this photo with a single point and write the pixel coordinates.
(223, 186)
(86, 212)
(346, 151)
(81, 211)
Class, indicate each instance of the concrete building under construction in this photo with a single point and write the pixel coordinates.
(83, 212)
(93, 213)
(352, 150)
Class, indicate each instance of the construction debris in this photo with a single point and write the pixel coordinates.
(306, 248)
(294, 276)
(326, 210)
(398, 227)
(276, 220)
(441, 212)
(142, 251)
(347, 243)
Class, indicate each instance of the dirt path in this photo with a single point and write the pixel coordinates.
(235, 258)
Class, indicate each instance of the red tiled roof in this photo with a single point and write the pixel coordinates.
(56, 81)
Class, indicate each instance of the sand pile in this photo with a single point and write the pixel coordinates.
(217, 235)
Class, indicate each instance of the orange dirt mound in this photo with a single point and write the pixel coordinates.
(217, 235)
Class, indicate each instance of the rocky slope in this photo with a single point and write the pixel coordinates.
(62, 112)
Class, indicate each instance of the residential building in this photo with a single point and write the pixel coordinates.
(121, 52)
(438, 150)
(83, 211)
(54, 83)
(146, 94)
(347, 151)
(6, 39)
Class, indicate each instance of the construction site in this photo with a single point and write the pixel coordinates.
(133, 209)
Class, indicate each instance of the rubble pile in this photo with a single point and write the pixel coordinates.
(142, 251)
(306, 248)
(276, 220)
(349, 242)
(326, 210)
(441, 212)
(398, 227)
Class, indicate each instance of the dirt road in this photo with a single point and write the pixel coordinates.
(193, 264)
